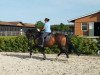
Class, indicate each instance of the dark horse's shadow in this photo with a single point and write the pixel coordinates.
(25, 56)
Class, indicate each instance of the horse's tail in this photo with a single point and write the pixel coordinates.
(67, 39)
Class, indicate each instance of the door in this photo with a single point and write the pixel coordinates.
(91, 29)
(97, 29)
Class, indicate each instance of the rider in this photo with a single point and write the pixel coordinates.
(47, 30)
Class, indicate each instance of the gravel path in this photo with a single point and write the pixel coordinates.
(21, 64)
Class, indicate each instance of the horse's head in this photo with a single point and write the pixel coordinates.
(32, 33)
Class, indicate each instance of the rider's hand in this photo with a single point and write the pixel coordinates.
(38, 29)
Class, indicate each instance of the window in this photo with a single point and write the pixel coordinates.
(84, 26)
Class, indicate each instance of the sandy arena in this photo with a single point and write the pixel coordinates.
(20, 64)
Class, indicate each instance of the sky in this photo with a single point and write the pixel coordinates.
(58, 11)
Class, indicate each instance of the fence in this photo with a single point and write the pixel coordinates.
(10, 33)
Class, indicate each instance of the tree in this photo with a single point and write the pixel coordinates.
(60, 27)
(39, 24)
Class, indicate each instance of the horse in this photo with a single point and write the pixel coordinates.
(58, 39)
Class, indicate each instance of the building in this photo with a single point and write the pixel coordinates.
(88, 25)
(14, 28)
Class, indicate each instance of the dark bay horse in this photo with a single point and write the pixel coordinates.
(59, 39)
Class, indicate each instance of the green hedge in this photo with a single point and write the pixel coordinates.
(13, 44)
(84, 45)
(20, 44)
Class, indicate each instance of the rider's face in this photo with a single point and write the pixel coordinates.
(45, 21)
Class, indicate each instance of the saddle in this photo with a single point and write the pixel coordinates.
(47, 37)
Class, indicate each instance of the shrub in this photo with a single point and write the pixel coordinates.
(20, 44)
(52, 50)
(13, 44)
(98, 43)
(83, 45)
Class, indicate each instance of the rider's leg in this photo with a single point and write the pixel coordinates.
(43, 37)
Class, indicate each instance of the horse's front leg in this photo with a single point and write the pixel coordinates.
(44, 56)
(43, 52)
(30, 54)
(30, 51)
(30, 46)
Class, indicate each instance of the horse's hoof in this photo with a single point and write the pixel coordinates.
(44, 58)
(67, 56)
(78, 54)
(56, 59)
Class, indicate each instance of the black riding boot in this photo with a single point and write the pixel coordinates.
(42, 42)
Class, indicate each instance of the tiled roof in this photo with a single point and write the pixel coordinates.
(5, 23)
(29, 25)
(72, 20)
(17, 24)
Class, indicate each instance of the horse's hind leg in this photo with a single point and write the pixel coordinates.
(65, 50)
(67, 54)
(58, 55)
(62, 50)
